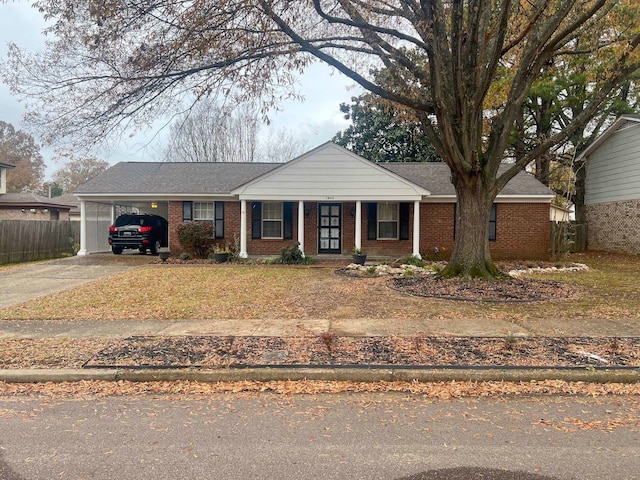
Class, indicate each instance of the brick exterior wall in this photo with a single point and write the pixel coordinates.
(523, 231)
(614, 226)
(174, 218)
(10, 213)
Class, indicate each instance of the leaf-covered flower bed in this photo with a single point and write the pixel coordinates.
(331, 350)
(509, 290)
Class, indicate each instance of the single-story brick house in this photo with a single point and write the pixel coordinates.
(330, 200)
(28, 206)
(612, 187)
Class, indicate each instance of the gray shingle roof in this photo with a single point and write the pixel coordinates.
(221, 178)
(29, 200)
(436, 177)
(174, 178)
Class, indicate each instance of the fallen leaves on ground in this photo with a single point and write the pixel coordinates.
(49, 352)
(435, 390)
(331, 350)
(508, 290)
(321, 350)
(609, 290)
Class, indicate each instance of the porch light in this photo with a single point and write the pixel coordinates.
(154, 205)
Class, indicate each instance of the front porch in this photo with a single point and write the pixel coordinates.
(330, 229)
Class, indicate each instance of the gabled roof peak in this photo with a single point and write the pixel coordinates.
(620, 123)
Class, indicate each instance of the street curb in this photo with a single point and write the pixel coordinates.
(320, 374)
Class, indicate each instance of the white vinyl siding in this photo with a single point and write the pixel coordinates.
(613, 169)
(330, 173)
(388, 221)
(272, 220)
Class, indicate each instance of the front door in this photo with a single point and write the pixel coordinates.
(329, 228)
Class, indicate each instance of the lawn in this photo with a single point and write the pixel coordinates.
(610, 289)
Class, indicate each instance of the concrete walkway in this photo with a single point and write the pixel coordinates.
(476, 327)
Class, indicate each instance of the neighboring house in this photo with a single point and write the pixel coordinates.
(70, 200)
(330, 200)
(560, 214)
(612, 187)
(4, 167)
(28, 206)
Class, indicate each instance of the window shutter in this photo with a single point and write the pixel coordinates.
(218, 224)
(404, 221)
(187, 211)
(372, 221)
(455, 220)
(287, 225)
(256, 220)
(493, 223)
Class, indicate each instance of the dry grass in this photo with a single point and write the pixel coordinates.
(609, 290)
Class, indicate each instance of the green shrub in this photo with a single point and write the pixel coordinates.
(196, 237)
(185, 256)
(292, 255)
(415, 261)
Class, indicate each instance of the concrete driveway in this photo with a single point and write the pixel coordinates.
(24, 283)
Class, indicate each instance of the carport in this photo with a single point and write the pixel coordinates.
(98, 212)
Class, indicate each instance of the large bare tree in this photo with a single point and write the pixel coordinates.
(209, 132)
(464, 67)
(77, 171)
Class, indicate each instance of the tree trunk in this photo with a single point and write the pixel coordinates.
(470, 257)
(581, 209)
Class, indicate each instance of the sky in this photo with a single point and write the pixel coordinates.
(316, 120)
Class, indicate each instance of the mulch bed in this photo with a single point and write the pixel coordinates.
(330, 350)
(425, 283)
(509, 290)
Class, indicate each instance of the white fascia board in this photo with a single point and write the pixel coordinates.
(499, 199)
(439, 199)
(331, 198)
(524, 198)
(613, 128)
(111, 197)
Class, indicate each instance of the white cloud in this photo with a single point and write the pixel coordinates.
(316, 119)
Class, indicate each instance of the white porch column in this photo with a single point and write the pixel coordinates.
(416, 230)
(83, 229)
(113, 214)
(358, 239)
(243, 229)
(301, 226)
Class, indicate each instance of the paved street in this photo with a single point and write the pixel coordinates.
(339, 436)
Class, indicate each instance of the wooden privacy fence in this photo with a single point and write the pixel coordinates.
(29, 240)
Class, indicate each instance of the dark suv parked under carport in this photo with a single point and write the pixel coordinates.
(138, 231)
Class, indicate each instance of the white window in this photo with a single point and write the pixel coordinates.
(272, 220)
(388, 221)
(203, 211)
